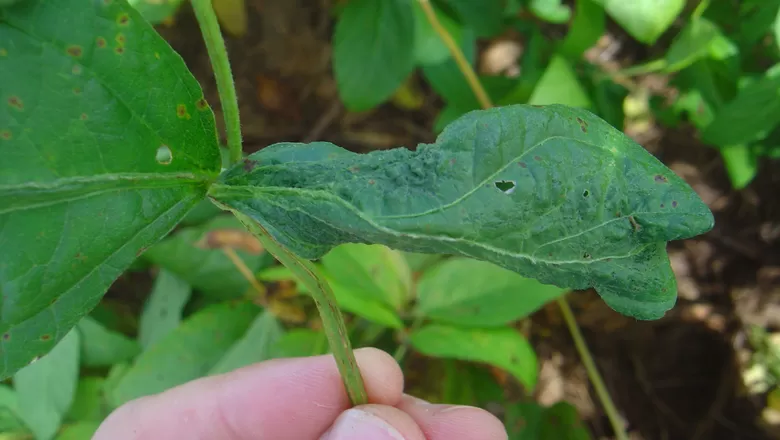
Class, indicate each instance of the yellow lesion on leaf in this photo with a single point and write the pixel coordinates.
(16, 102)
(123, 19)
(201, 104)
(101, 42)
(181, 112)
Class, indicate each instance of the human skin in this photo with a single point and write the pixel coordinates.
(297, 399)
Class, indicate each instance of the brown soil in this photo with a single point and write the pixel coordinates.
(675, 378)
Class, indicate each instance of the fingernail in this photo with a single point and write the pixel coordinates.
(429, 407)
(355, 424)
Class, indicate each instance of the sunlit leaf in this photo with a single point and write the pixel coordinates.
(644, 20)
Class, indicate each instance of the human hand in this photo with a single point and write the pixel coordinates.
(300, 399)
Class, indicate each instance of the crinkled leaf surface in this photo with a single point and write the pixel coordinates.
(89, 94)
(553, 193)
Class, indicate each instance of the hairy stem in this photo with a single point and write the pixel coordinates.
(332, 320)
(579, 341)
(593, 372)
(215, 45)
(457, 54)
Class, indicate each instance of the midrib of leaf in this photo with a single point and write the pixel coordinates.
(61, 48)
(221, 191)
(37, 195)
(76, 284)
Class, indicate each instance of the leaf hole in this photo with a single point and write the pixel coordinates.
(585, 193)
(660, 179)
(506, 186)
(164, 155)
(586, 256)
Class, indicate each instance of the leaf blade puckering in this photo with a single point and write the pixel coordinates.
(553, 193)
(106, 142)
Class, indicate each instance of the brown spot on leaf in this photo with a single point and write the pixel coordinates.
(660, 179)
(662, 205)
(5, 135)
(583, 124)
(84, 117)
(201, 104)
(3, 52)
(120, 38)
(522, 165)
(141, 251)
(181, 111)
(119, 50)
(249, 165)
(371, 182)
(537, 158)
(6, 336)
(618, 214)
(75, 51)
(674, 203)
(101, 42)
(634, 223)
(123, 19)
(16, 103)
(45, 337)
(77, 90)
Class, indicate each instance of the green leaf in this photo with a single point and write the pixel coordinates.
(502, 347)
(741, 164)
(208, 270)
(645, 20)
(589, 206)
(531, 421)
(255, 346)
(446, 79)
(81, 194)
(101, 347)
(79, 431)
(559, 85)
(45, 388)
(486, 17)
(10, 419)
(429, 48)
(187, 353)
(353, 300)
(373, 51)
(373, 271)
(89, 403)
(739, 121)
(587, 27)
(163, 309)
(469, 384)
(299, 343)
(156, 11)
(553, 11)
(473, 293)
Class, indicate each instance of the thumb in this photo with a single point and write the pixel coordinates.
(374, 422)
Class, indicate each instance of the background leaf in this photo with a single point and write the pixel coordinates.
(255, 346)
(89, 403)
(530, 421)
(373, 51)
(163, 309)
(586, 29)
(10, 419)
(644, 20)
(429, 48)
(300, 342)
(209, 271)
(101, 347)
(502, 347)
(45, 388)
(486, 17)
(81, 191)
(587, 207)
(156, 11)
(187, 353)
(475, 293)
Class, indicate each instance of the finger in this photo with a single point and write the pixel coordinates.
(374, 422)
(449, 422)
(279, 399)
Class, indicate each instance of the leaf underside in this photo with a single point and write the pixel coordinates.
(106, 143)
(553, 193)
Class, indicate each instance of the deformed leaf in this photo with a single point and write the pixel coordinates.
(502, 347)
(553, 193)
(468, 292)
(46, 387)
(187, 353)
(81, 191)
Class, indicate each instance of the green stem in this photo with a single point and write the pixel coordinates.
(332, 320)
(400, 352)
(579, 342)
(593, 371)
(215, 45)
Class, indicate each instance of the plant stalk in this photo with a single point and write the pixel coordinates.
(332, 320)
(593, 371)
(571, 322)
(215, 44)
